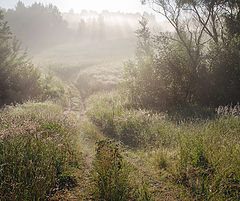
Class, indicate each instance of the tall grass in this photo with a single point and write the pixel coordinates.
(112, 175)
(135, 128)
(36, 151)
(201, 157)
(208, 159)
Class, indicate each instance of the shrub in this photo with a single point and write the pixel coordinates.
(52, 89)
(19, 79)
(176, 69)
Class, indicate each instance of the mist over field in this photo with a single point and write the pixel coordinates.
(101, 41)
(134, 101)
(46, 27)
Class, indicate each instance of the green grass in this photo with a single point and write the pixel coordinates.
(112, 175)
(158, 155)
(37, 151)
(200, 157)
(208, 161)
(135, 128)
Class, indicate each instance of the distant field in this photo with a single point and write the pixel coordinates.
(99, 59)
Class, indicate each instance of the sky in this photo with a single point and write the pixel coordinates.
(127, 6)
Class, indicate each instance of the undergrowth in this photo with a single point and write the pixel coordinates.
(135, 128)
(201, 157)
(112, 175)
(37, 152)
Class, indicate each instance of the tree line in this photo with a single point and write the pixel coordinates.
(40, 26)
(37, 25)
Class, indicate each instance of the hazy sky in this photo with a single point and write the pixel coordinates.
(96, 5)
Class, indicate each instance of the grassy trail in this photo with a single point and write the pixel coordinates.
(158, 184)
(89, 134)
(86, 143)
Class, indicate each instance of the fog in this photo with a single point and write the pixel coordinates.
(40, 27)
(120, 106)
(97, 41)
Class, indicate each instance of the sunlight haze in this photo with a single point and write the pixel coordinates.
(132, 6)
(116, 100)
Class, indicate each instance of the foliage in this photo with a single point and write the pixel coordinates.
(88, 85)
(208, 160)
(45, 26)
(135, 128)
(52, 89)
(142, 85)
(225, 73)
(112, 175)
(198, 63)
(19, 79)
(37, 151)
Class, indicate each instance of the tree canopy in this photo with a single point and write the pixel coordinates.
(197, 63)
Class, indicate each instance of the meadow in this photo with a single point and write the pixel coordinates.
(94, 144)
(152, 117)
(197, 156)
(140, 154)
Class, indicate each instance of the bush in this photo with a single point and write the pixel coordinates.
(162, 75)
(225, 73)
(52, 89)
(19, 79)
(173, 70)
(37, 151)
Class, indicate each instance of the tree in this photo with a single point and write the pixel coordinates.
(232, 17)
(211, 16)
(184, 64)
(19, 79)
(200, 61)
(197, 63)
(142, 79)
